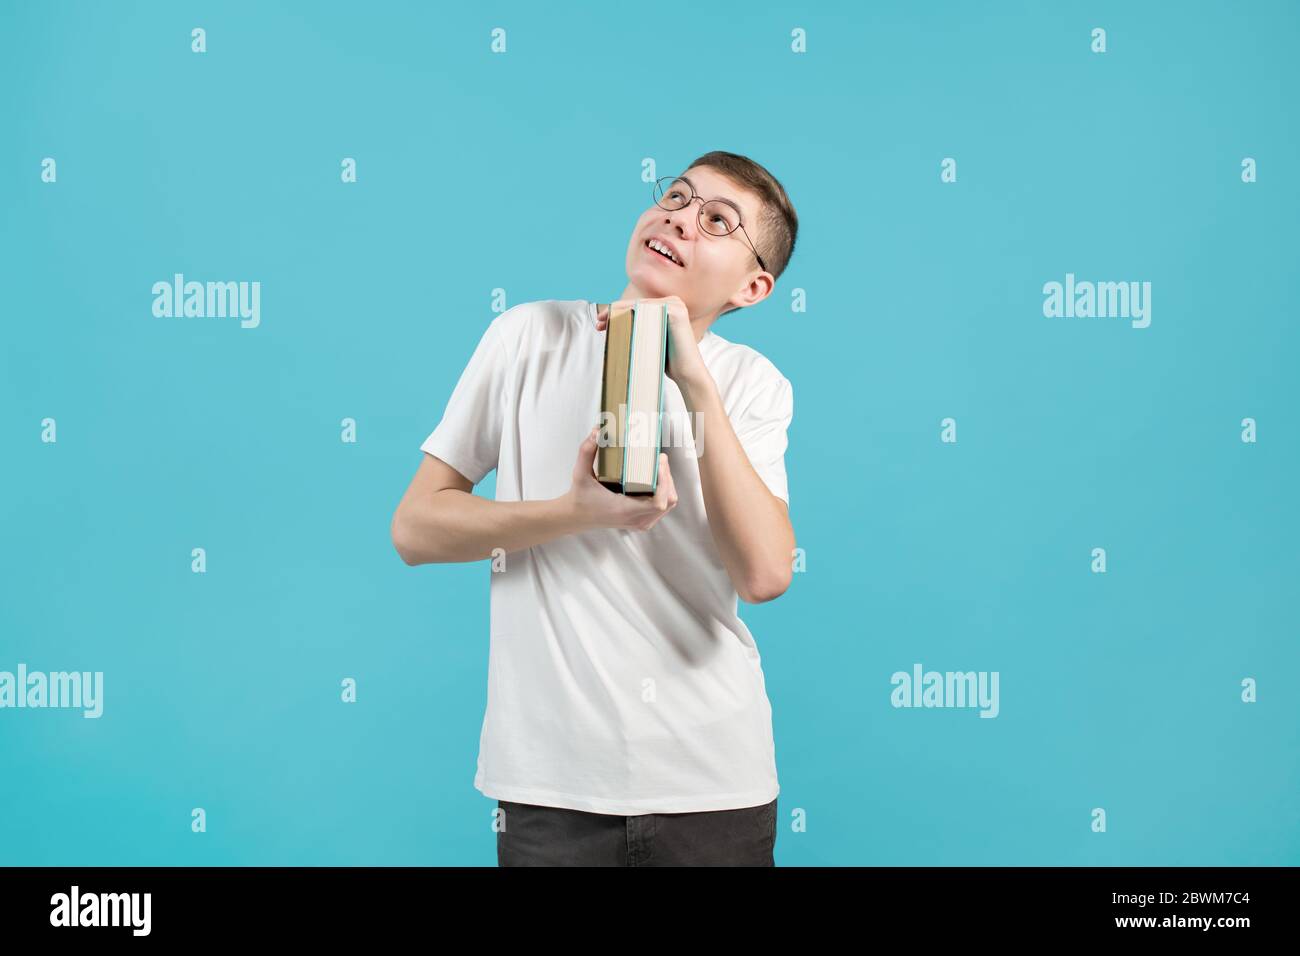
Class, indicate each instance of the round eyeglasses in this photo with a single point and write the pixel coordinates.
(718, 217)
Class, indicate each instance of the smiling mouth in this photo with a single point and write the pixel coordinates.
(654, 252)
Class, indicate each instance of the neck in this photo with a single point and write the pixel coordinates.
(699, 323)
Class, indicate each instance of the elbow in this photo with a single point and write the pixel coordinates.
(400, 534)
(768, 585)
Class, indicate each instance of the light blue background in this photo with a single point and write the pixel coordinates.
(522, 171)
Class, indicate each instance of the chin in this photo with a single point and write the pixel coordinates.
(653, 283)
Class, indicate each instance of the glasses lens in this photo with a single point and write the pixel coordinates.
(672, 193)
(719, 218)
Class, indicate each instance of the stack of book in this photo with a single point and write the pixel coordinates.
(632, 398)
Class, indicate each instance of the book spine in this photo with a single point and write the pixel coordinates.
(659, 418)
(601, 394)
(627, 400)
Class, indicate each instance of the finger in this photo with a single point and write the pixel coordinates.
(665, 493)
(603, 311)
(667, 477)
(672, 494)
(587, 453)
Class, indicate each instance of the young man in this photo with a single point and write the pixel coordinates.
(627, 717)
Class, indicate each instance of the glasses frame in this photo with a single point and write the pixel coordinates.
(655, 189)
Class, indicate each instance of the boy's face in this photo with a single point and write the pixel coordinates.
(716, 272)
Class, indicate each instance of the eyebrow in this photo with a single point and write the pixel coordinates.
(719, 198)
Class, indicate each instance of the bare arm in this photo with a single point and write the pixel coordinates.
(440, 519)
(750, 525)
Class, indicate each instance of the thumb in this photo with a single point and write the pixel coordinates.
(587, 451)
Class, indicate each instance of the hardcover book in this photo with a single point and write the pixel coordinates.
(632, 398)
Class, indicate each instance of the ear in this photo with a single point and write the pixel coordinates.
(758, 288)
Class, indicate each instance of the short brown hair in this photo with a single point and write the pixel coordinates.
(778, 226)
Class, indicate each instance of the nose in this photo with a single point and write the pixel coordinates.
(685, 220)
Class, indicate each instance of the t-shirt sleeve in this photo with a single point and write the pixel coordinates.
(469, 435)
(762, 432)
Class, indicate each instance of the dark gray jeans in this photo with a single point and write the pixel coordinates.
(534, 835)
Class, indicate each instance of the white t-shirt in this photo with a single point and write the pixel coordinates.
(620, 678)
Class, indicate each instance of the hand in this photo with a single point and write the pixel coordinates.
(596, 506)
(685, 363)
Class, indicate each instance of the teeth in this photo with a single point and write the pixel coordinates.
(658, 246)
